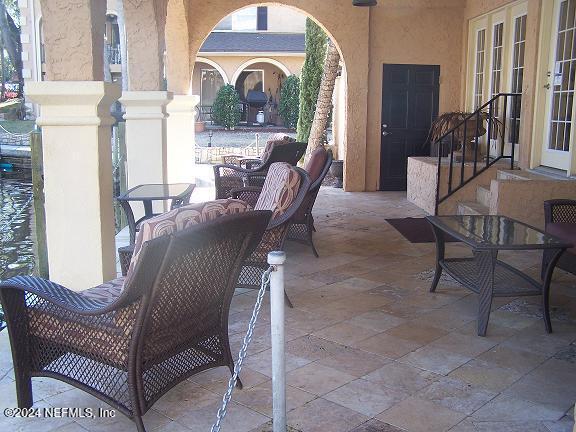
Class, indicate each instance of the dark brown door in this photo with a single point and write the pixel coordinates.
(409, 105)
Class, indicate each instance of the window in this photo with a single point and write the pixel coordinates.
(211, 82)
(479, 69)
(496, 45)
(496, 73)
(242, 20)
(517, 78)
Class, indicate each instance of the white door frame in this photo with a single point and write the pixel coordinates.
(541, 155)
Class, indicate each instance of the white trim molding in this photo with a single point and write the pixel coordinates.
(250, 62)
(215, 66)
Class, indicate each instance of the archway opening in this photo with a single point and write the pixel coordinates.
(258, 46)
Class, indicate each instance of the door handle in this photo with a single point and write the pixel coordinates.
(386, 133)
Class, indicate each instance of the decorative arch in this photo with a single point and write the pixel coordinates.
(348, 27)
(215, 66)
(250, 62)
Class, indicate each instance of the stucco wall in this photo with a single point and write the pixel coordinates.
(349, 26)
(145, 29)
(524, 199)
(177, 47)
(412, 32)
(281, 19)
(231, 64)
(75, 58)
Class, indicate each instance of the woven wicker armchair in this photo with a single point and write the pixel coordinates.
(131, 340)
(229, 177)
(560, 218)
(302, 224)
(284, 191)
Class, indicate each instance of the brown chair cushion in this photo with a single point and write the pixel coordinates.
(280, 189)
(565, 231)
(316, 163)
(181, 218)
(275, 140)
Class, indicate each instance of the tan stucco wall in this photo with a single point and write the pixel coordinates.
(177, 47)
(412, 32)
(349, 26)
(281, 19)
(145, 25)
(524, 199)
(76, 58)
(231, 64)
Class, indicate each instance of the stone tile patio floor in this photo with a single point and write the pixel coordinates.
(369, 348)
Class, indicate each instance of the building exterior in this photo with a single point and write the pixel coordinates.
(400, 58)
(255, 48)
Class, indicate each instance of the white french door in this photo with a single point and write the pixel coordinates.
(560, 114)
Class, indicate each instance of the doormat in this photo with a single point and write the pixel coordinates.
(416, 230)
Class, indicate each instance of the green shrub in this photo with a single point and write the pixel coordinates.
(289, 105)
(225, 110)
(311, 77)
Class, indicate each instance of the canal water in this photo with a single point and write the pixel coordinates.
(16, 242)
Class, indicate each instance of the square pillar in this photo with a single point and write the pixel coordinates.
(181, 138)
(76, 138)
(146, 148)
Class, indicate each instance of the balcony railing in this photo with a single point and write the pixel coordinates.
(114, 54)
(493, 128)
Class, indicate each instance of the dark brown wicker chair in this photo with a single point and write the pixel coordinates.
(229, 177)
(129, 346)
(560, 219)
(275, 234)
(302, 224)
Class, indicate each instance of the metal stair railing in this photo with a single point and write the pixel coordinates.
(499, 120)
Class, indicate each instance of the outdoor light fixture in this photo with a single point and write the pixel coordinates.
(364, 2)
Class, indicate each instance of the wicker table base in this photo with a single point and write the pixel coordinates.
(484, 274)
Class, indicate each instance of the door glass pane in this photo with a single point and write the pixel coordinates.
(563, 73)
(479, 69)
(519, 44)
(497, 44)
(211, 83)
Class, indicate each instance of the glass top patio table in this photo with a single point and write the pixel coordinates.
(495, 232)
(157, 192)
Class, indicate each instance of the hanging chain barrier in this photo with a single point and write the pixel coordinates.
(242, 354)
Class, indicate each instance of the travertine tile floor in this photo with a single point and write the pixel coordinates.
(369, 348)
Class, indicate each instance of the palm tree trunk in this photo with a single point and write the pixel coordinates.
(324, 103)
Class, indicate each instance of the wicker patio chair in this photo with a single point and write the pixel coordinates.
(191, 214)
(229, 177)
(129, 341)
(302, 224)
(283, 192)
(560, 219)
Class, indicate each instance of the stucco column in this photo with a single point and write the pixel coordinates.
(146, 148)
(181, 138)
(76, 133)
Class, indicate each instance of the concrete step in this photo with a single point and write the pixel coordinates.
(483, 195)
(520, 175)
(472, 208)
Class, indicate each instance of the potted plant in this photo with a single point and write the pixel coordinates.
(456, 119)
(337, 167)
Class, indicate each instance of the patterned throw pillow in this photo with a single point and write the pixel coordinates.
(280, 189)
(182, 218)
